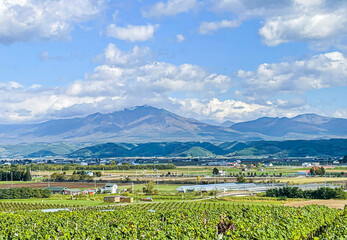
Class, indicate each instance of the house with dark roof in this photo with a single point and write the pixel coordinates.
(56, 190)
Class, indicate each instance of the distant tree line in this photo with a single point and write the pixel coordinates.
(296, 192)
(111, 166)
(24, 193)
(76, 175)
(15, 175)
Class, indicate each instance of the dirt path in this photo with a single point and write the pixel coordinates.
(54, 184)
(329, 203)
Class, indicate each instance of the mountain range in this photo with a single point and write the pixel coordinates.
(150, 124)
(290, 148)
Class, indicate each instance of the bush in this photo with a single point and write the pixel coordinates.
(295, 192)
(24, 193)
(241, 179)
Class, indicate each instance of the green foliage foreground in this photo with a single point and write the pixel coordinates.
(176, 220)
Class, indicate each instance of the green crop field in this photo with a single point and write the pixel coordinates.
(177, 220)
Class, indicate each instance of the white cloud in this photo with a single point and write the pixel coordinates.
(131, 32)
(180, 38)
(220, 110)
(252, 8)
(45, 57)
(30, 20)
(321, 23)
(125, 79)
(170, 8)
(320, 71)
(210, 27)
(137, 56)
(10, 86)
(304, 27)
(340, 113)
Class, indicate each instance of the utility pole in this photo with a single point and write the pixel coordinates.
(157, 181)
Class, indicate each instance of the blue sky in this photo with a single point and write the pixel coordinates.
(213, 60)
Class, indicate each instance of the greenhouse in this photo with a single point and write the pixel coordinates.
(218, 187)
(252, 187)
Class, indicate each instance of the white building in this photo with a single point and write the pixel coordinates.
(109, 187)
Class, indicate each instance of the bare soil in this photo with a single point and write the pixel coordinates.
(55, 184)
(329, 203)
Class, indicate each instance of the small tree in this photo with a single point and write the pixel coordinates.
(241, 179)
(322, 170)
(149, 188)
(27, 175)
(215, 171)
(127, 179)
(317, 170)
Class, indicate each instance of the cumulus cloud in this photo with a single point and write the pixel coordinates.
(312, 27)
(220, 110)
(169, 8)
(10, 86)
(112, 55)
(180, 38)
(322, 23)
(210, 27)
(231, 109)
(30, 20)
(340, 113)
(320, 71)
(132, 33)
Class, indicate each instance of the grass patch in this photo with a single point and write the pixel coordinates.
(312, 180)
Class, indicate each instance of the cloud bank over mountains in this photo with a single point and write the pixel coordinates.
(129, 71)
(126, 79)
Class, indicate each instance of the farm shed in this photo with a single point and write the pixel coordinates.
(112, 199)
(127, 199)
(118, 199)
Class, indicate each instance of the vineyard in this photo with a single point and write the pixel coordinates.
(175, 220)
(14, 206)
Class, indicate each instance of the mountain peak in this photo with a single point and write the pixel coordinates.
(311, 118)
(140, 107)
(227, 123)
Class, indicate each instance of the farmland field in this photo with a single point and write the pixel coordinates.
(178, 221)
